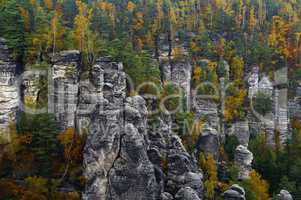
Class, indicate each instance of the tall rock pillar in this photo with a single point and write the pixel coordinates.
(9, 93)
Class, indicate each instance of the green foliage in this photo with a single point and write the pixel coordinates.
(140, 67)
(11, 26)
(262, 103)
(230, 146)
(44, 131)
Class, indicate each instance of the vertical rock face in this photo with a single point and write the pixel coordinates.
(281, 114)
(64, 92)
(235, 192)
(115, 157)
(126, 159)
(182, 170)
(107, 126)
(31, 89)
(240, 129)
(209, 142)
(265, 86)
(181, 76)
(206, 109)
(253, 82)
(175, 168)
(179, 73)
(243, 160)
(9, 93)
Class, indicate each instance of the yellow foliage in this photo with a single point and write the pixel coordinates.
(210, 168)
(259, 186)
(159, 16)
(212, 65)
(237, 68)
(82, 25)
(279, 36)
(73, 144)
(138, 21)
(26, 18)
(252, 19)
(131, 6)
(37, 184)
(73, 196)
(48, 4)
(178, 53)
(197, 130)
(109, 9)
(233, 106)
(197, 75)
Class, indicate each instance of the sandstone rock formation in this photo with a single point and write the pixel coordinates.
(243, 160)
(9, 91)
(235, 192)
(209, 142)
(240, 129)
(126, 159)
(64, 87)
(285, 195)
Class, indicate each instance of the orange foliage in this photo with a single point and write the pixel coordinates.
(259, 186)
(26, 18)
(73, 144)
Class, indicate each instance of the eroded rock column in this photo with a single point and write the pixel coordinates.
(9, 92)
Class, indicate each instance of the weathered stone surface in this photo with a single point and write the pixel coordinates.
(179, 73)
(186, 193)
(31, 88)
(115, 158)
(243, 160)
(9, 91)
(209, 142)
(253, 80)
(64, 91)
(265, 86)
(281, 114)
(235, 192)
(132, 176)
(206, 109)
(285, 195)
(166, 196)
(240, 129)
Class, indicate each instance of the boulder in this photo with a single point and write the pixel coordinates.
(235, 192)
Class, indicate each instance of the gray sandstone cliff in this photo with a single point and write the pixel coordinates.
(9, 91)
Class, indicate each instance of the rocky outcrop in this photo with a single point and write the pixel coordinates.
(182, 170)
(115, 157)
(206, 109)
(64, 87)
(285, 195)
(31, 89)
(9, 91)
(178, 72)
(281, 114)
(209, 142)
(187, 193)
(253, 80)
(240, 129)
(125, 157)
(235, 192)
(243, 159)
